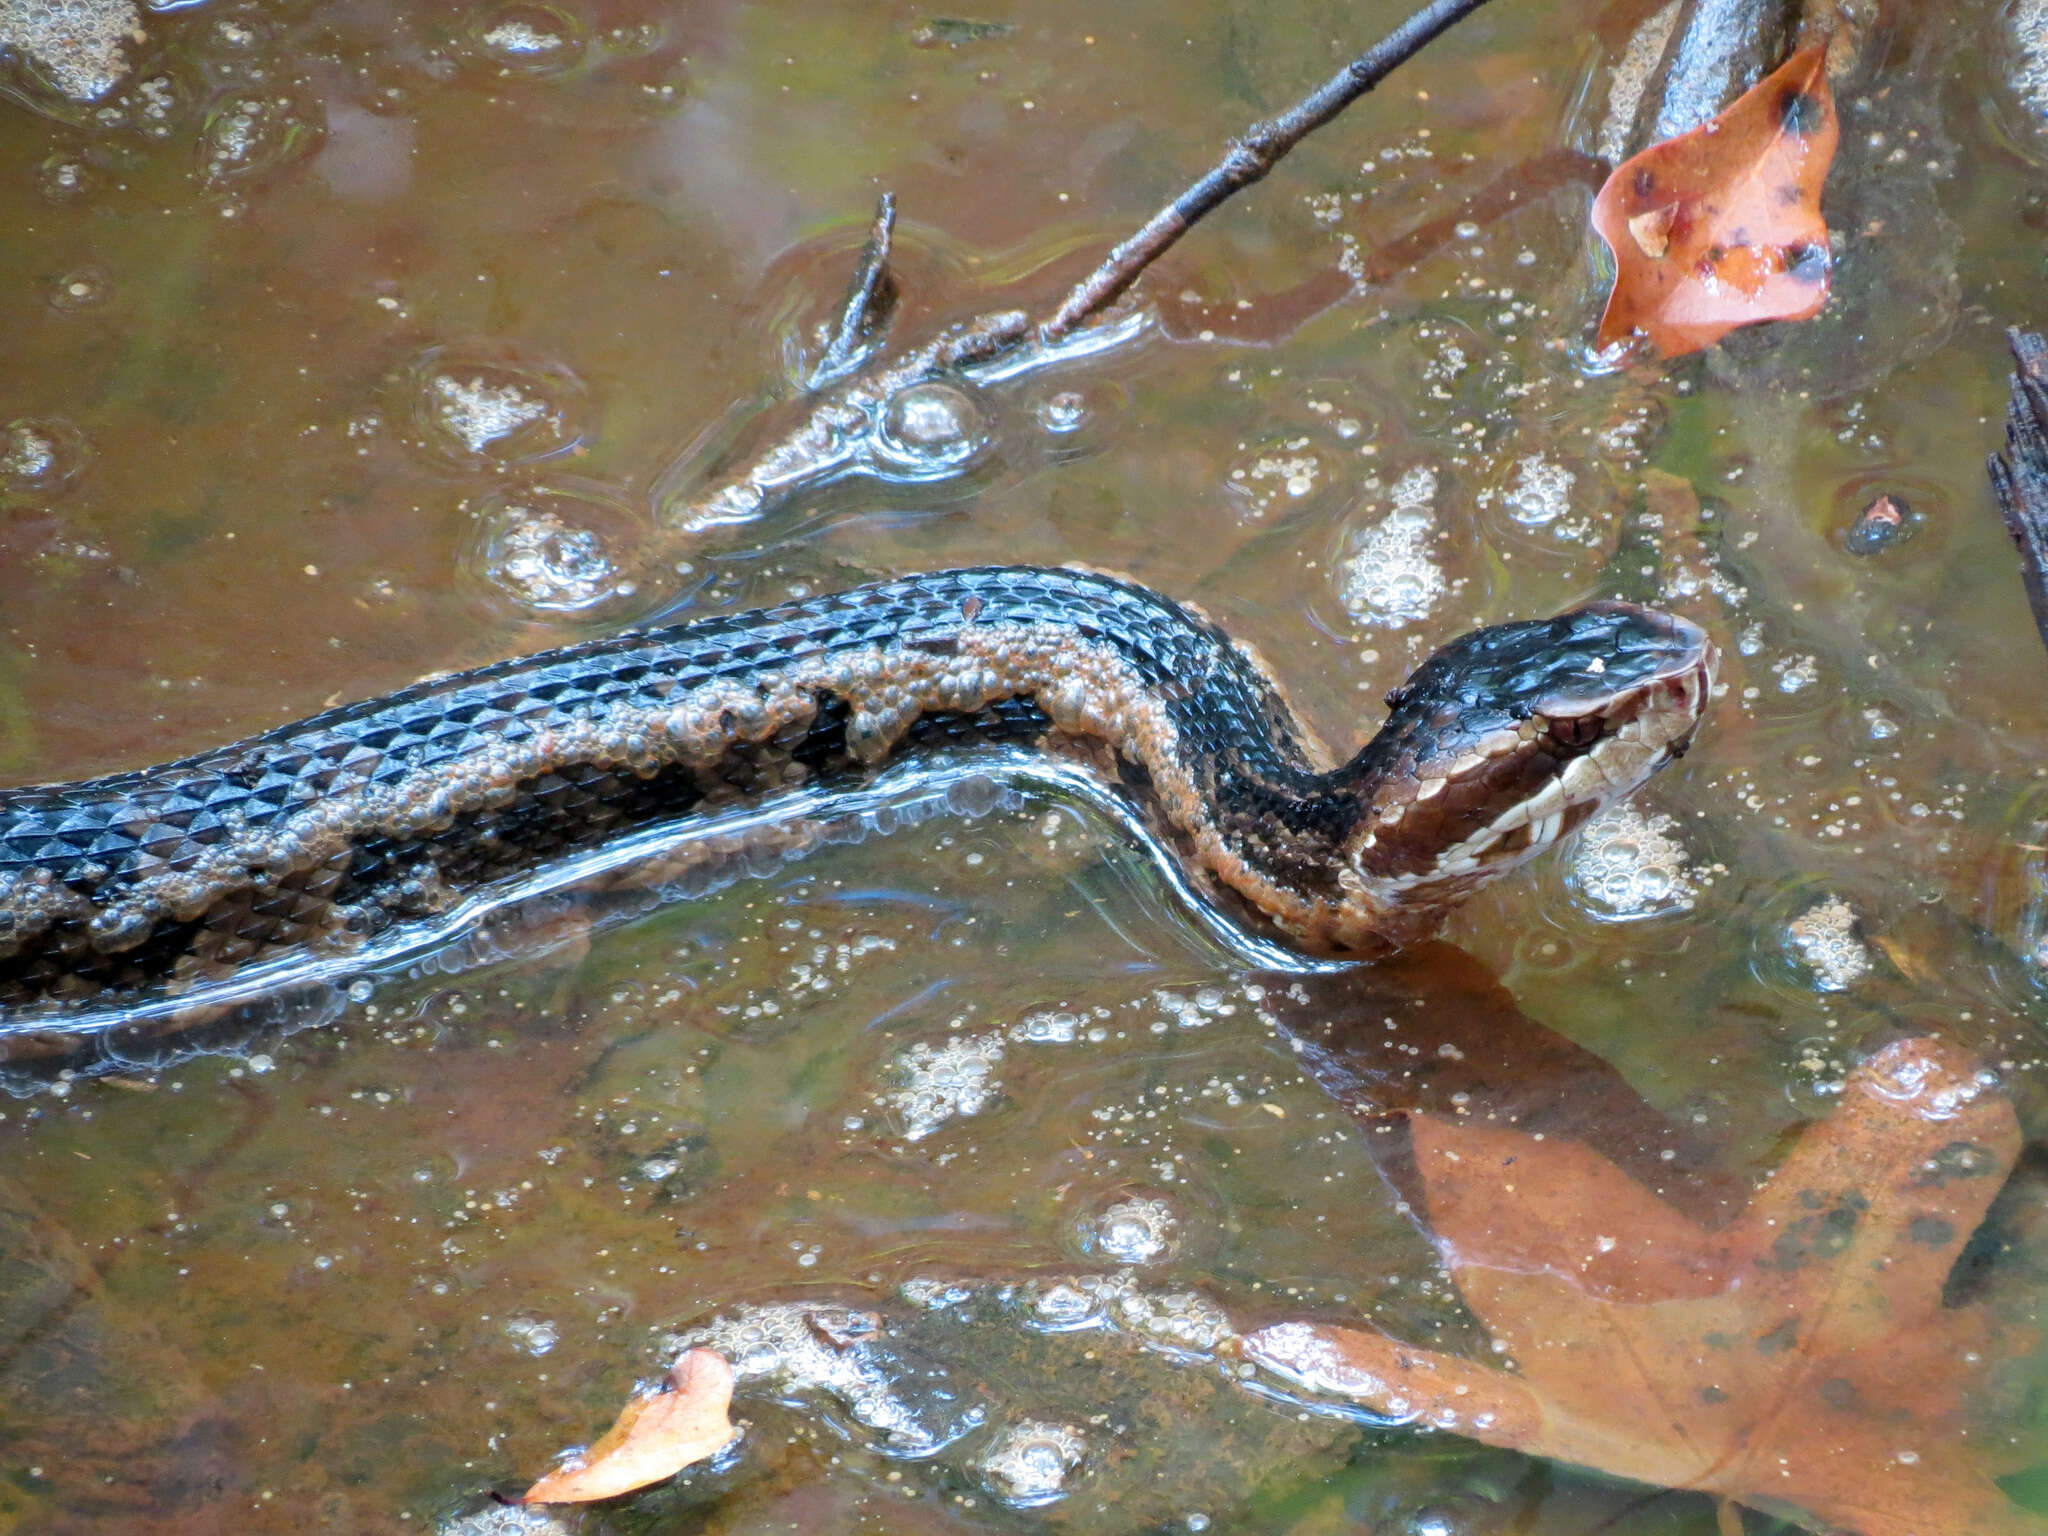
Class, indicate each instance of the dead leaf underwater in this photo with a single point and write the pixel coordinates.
(1721, 227)
(657, 1435)
(1799, 1361)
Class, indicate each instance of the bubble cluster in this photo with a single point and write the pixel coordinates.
(1629, 864)
(532, 1335)
(1178, 1321)
(1139, 1229)
(799, 1349)
(482, 402)
(1541, 492)
(78, 46)
(247, 137)
(2021, 47)
(1033, 1462)
(506, 1520)
(477, 413)
(1393, 577)
(560, 551)
(1048, 1026)
(529, 39)
(1265, 473)
(1796, 674)
(39, 456)
(1189, 1010)
(64, 177)
(1824, 938)
(939, 1083)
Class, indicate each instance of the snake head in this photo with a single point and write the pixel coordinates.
(1511, 736)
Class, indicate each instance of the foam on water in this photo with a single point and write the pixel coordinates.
(1825, 938)
(1393, 577)
(79, 46)
(1629, 864)
(1033, 1461)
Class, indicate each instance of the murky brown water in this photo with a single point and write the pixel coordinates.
(363, 341)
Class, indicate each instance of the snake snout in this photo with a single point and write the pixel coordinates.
(1598, 657)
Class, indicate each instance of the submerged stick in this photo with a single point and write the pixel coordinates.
(850, 387)
(870, 301)
(2019, 475)
(1249, 159)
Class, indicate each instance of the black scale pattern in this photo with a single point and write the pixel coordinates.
(97, 836)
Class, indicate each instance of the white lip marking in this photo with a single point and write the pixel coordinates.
(1547, 801)
(1582, 779)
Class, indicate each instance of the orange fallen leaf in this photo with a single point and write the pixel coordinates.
(1799, 1361)
(1721, 227)
(656, 1436)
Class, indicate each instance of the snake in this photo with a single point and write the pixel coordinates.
(316, 837)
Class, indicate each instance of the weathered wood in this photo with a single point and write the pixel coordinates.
(2019, 475)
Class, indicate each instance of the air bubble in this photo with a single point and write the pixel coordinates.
(81, 288)
(1873, 515)
(1885, 522)
(1064, 412)
(931, 429)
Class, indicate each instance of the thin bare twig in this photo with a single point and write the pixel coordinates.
(850, 388)
(870, 301)
(1249, 159)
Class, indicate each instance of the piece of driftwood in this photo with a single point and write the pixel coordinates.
(849, 389)
(2019, 475)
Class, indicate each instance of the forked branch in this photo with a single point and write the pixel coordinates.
(850, 387)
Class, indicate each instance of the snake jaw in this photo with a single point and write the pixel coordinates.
(1509, 739)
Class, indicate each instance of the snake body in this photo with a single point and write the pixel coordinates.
(326, 831)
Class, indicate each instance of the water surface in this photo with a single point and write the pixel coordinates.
(347, 343)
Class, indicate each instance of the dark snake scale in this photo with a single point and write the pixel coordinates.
(323, 833)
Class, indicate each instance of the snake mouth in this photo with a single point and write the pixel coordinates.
(1509, 739)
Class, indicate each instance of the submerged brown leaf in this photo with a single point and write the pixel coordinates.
(1799, 1361)
(1721, 227)
(656, 1436)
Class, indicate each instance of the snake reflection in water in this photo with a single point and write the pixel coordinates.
(314, 837)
